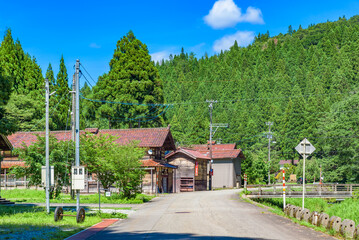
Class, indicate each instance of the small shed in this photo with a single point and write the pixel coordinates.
(191, 174)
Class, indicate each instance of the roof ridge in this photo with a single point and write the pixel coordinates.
(132, 129)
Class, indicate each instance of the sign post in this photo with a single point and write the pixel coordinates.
(245, 182)
(283, 189)
(304, 148)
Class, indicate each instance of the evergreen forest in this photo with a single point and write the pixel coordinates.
(304, 82)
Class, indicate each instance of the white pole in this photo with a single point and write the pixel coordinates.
(304, 156)
(77, 126)
(283, 189)
(47, 147)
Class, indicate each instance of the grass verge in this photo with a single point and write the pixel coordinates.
(277, 208)
(38, 196)
(32, 222)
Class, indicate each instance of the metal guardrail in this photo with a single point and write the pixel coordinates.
(311, 190)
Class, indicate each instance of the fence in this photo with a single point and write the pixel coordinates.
(311, 190)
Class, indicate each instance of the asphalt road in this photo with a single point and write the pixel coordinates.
(205, 215)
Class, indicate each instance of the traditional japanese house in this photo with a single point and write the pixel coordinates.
(154, 141)
(191, 174)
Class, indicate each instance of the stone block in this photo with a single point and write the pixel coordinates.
(334, 223)
(287, 209)
(324, 220)
(356, 232)
(299, 213)
(293, 210)
(306, 215)
(347, 228)
(314, 217)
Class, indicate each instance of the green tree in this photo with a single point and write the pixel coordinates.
(25, 113)
(133, 78)
(61, 157)
(113, 164)
(6, 126)
(50, 75)
(61, 98)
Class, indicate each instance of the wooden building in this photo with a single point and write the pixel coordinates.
(226, 164)
(191, 174)
(154, 141)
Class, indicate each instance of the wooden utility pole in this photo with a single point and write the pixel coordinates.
(210, 143)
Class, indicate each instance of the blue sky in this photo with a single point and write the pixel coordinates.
(89, 30)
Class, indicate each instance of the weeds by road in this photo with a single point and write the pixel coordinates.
(38, 196)
(32, 222)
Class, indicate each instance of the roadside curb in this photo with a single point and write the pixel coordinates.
(89, 232)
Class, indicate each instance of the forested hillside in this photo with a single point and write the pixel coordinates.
(304, 81)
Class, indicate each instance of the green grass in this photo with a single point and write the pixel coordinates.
(38, 196)
(31, 222)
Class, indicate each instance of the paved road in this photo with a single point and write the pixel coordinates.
(205, 215)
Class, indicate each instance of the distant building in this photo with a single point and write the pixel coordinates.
(291, 162)
(226, 164)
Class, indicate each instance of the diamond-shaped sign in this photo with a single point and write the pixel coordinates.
(305, 147)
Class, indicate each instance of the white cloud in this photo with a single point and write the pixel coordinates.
(253, 15)
(244, 38)
(225, 13)
(158, 56)
(94, 45)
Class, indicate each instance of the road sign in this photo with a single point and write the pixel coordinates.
(305, 147)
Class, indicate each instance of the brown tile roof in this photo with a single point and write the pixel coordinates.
(9, 164)
(29, 138)
(153, 163)
(189, 152)
(148, 137)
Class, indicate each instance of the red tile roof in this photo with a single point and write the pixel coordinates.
(282, 162)
(189, 152)
(5, 164)
(219, 151)
(203, 147)
(148, 137)
(153, 163)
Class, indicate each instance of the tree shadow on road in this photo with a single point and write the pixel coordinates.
(159, 236)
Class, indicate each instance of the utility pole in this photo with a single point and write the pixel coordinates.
(77, 126)
(210, 142)
(47, 96)
(269, 124)
(73, 93)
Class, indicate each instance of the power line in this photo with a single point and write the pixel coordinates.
(125, 103)
(88, 73)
